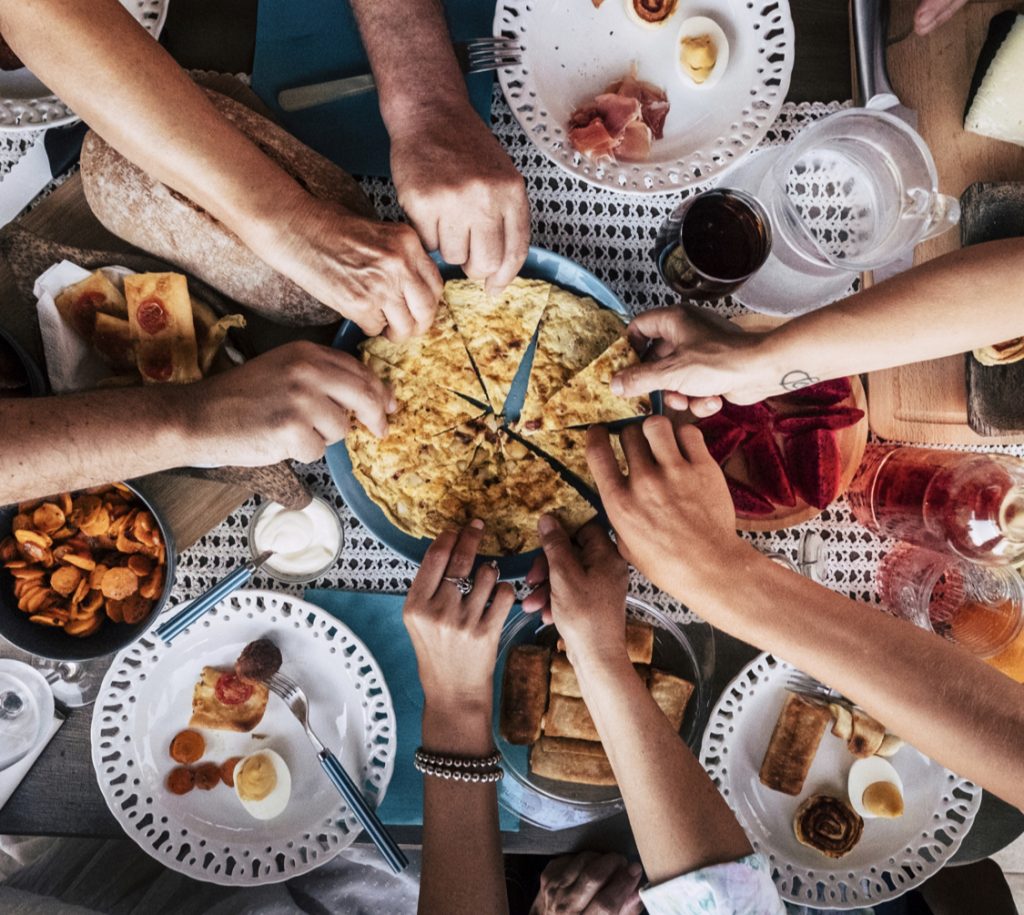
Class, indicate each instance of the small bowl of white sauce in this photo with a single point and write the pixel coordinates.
(305, 543)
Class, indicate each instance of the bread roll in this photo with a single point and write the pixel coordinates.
(524, 693)
(152, 216)
(793, 744)
(580, 761)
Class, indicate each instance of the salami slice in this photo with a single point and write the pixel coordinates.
(152, 316)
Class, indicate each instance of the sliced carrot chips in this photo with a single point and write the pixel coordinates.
(79, 558)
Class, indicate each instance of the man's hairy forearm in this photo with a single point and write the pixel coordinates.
(57, 443)
(950, 305)
(132, 93)
(412, 58)
(949, 705)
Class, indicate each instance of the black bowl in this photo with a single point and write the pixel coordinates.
(52, 642)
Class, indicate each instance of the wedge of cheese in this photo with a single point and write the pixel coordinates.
(995, 104)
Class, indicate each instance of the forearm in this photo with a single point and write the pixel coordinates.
(463, 869)
(966, 299)
(949, 705)
(417, 77)
(679, 820)
(133, 94)
(61, 443)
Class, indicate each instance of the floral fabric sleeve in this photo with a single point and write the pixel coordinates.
(741, 887)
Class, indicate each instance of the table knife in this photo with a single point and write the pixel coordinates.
(870, 31)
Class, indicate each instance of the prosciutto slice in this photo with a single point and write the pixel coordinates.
(621, 122)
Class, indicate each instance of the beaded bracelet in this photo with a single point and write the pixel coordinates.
(475, 769)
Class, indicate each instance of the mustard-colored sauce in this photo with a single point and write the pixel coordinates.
(256, 779)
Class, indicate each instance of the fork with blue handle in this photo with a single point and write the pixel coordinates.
(293, 696)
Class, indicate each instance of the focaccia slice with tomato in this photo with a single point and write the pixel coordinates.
(160, 316)
(223, 702)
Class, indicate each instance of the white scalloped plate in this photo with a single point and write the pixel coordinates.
(892, 857)
(572, 50)
(26, 104)
(146, 698)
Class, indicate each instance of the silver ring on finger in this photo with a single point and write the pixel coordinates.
(464, 585)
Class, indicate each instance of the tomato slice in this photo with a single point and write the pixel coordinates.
(231, 690)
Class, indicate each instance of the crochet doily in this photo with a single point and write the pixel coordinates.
(612, 235)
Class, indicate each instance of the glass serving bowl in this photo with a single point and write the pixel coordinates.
(686, 651)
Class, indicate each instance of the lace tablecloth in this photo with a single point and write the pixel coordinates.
(610, 234)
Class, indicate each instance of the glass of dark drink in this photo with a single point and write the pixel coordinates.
(712, 243)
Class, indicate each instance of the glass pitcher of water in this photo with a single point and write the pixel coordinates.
(855, 190)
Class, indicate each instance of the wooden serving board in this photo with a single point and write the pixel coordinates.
(191, 507)
(926, 402)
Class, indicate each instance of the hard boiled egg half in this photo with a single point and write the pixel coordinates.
(702, 52)
(263, 784)
(875, 789)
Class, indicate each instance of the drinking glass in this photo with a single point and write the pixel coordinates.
(976, 607)
(713, 243)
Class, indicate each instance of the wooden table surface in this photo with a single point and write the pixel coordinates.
(220, 37)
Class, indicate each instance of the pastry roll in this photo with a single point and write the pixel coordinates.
(160, 317)
(524, 693)
(794, 742)
(639, 642)
(580, 761)
(671, 694)
(568, 717)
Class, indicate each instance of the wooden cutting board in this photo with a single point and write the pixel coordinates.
(927, 402)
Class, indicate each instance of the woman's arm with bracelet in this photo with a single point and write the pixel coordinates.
(456, 642)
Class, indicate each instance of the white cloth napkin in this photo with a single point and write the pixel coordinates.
(11, 777)
(71, 364)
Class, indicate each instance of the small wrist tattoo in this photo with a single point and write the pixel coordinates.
(793, 381)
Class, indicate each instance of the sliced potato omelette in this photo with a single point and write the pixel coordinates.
(574, 331)
(588, 397)
(497, 330)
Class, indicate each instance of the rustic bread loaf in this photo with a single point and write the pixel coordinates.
(152, 216)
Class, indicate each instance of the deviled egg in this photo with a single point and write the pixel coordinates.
(875, 789)
(263, 784)
(702, 52)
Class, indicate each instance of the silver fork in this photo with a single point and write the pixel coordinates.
(478, 55)
(806, 685)
(293, 696)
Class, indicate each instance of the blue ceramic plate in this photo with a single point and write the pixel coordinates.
(541, 265)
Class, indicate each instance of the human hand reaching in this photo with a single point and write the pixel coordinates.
(290, 402)
(694, 362)
(580, 585)
(462, 193)
(456, 636)
(375, 273)
(672, 513)
(589, 884)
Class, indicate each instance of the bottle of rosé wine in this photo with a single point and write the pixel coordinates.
(969, 505)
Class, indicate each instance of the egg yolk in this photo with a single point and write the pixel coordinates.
(256, 779)
(699, 56)
(883, 799)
